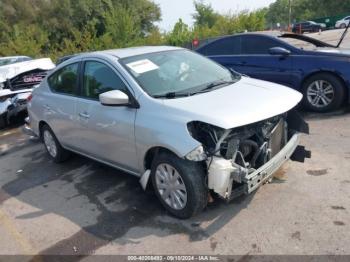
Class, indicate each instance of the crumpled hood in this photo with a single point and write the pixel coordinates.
(10, 71)
(242, 103)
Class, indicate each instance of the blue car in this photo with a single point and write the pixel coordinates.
(319, 70)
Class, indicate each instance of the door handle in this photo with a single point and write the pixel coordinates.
(84, 115)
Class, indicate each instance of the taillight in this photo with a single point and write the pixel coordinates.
(29, 98)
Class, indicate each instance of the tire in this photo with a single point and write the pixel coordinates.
(329, 99)
(57, 153)
(342, 26)
(189, 181)
(3, 121)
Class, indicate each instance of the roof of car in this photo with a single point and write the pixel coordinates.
(270, 34)
(133, 51)
(12, 57)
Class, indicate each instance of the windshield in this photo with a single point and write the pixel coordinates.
(177, 72)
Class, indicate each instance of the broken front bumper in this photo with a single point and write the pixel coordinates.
(264, 173)
(230, 182)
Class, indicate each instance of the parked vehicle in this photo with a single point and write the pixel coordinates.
(171, 116)
(13, 59)
(66, 57)
(343, 23)
(18, 76)
(319, 70)
(308, 26)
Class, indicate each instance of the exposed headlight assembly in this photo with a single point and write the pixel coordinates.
(197, 155)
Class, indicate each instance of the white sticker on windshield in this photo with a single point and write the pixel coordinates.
(142, 66)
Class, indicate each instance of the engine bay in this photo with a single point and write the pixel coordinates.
(249, 146)
(236, 157)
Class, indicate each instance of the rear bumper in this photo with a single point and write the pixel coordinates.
(26, 129)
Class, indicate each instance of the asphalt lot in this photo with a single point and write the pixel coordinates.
(83, 207)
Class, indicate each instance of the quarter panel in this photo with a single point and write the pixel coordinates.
(313, 62)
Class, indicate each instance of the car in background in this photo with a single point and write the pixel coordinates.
(343, 22)
(171, 117)
(318, 70)
(18, 76)
(308, 27)
(13, 59)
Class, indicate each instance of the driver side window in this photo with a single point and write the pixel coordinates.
(98, 79)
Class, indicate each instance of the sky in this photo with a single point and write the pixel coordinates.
(172, 10)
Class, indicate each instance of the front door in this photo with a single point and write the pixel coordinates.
(106, 132)
(257, 62)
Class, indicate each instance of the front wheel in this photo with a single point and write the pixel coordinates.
(179, 185)
(342, 26)
(323, 92)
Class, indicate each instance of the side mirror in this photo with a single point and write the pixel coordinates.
(114, 98)
(279, 51)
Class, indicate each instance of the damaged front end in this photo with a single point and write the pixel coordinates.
(13, 105)
(15, 92)
(239, 160)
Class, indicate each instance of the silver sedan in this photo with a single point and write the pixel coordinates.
(171, 117)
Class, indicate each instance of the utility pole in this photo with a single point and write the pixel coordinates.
(290, 16)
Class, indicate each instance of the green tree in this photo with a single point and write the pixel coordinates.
(205, 14)
(180, 35)
(59, 27)
(278, 11)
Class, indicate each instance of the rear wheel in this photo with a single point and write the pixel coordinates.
(53, 147)
(323, 92)
(179, 185)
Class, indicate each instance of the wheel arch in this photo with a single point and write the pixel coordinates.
(42, 123)
(152, 153)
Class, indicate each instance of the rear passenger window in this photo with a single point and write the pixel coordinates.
(65, 80)
(99, 78)
(226, 46)
(255, 45)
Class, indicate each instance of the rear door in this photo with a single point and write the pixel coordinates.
(225, 51)
(106, 132)
(59, 104)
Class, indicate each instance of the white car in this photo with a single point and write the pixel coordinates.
(343, 22)
(18, 76)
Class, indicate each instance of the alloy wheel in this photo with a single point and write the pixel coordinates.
(320, 93)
